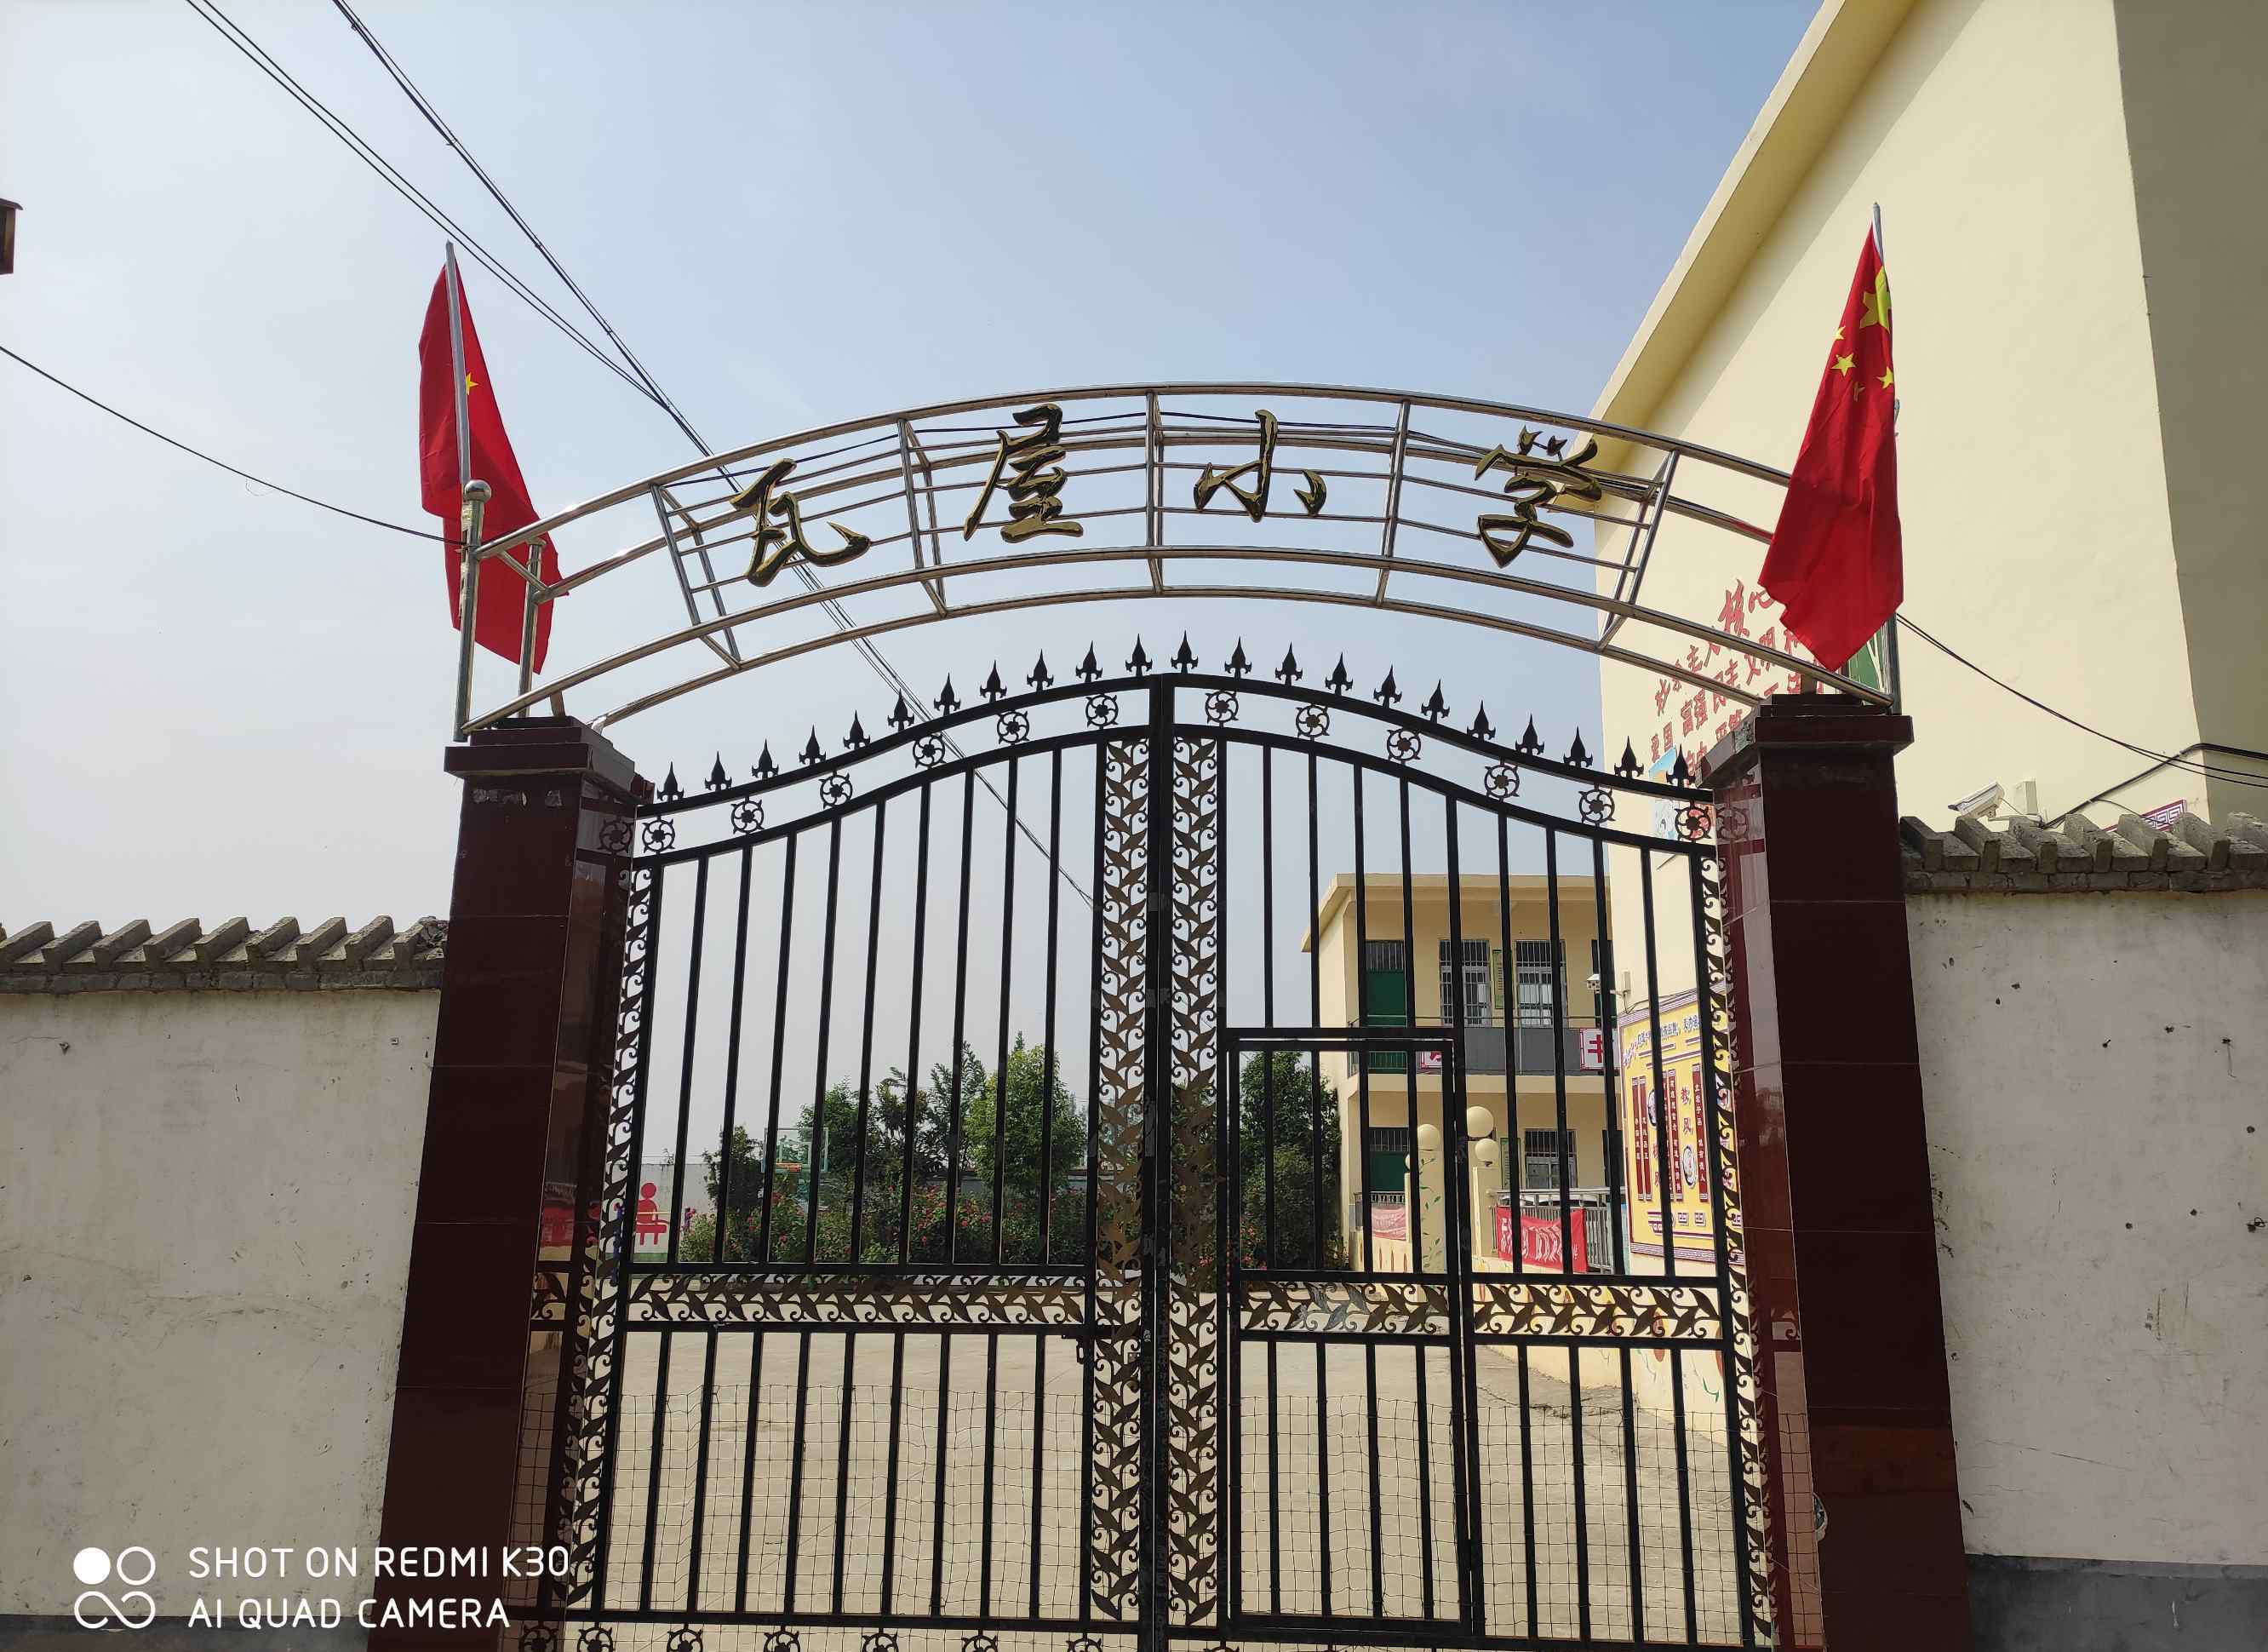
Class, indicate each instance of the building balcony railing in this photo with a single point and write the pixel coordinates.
(1499, 1050)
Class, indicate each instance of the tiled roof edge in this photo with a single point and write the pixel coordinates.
(233, 956)
(2190, 855)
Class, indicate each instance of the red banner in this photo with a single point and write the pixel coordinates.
(1539, 1240)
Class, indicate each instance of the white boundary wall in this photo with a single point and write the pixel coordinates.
(2096, 1069)
(205, 1203)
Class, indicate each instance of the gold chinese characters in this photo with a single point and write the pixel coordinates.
(1536, 481)
(1034, 505)
(777, 547)
(1262, 469)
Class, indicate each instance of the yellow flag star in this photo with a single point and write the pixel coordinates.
(1875, 305)
(469, 382)
(1839, 335)
(1885, 378)
(1843, 364)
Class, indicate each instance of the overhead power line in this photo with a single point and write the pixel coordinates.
(198, 452)
(259, 57)
(424, 106)
(836, 614)
(2163, 760)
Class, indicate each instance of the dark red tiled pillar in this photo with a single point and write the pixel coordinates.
(520, 1061)
(1834, 1177)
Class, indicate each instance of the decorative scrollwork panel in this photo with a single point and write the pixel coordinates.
(1198, 1262)
(1742, 1342)
(906, 1301)
(1385, 1307)
(1114, 1479)
(1509, 1308)
(598, 1284)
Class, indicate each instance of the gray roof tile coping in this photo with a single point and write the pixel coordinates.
(232, 957)
(2190, 856)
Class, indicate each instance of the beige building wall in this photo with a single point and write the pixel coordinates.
(2197, 133)
(2079, 381)
(205, 1230)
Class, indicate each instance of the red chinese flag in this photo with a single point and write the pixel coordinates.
(497, 626)
(1835, 565)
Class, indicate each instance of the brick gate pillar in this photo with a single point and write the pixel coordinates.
(1835, 1179)
(521, 1058)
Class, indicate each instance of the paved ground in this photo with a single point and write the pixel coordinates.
(820, 1522)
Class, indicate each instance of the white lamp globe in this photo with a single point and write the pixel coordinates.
(1429, 1140)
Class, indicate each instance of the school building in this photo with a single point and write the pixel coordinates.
(1535, 1030)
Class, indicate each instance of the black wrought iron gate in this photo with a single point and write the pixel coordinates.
(993, 1236)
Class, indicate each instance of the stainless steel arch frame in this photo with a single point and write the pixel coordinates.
(1321, 483)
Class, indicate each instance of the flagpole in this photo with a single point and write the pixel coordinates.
(457, 364)
(1891, 630)
(468, 541)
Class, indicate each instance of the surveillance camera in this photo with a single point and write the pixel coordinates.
(1593, 979)
(1981, 802)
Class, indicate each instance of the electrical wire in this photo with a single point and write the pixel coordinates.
(839, 616)
(424, 106)
(198, 452)
(258, 56)
(2163, 760)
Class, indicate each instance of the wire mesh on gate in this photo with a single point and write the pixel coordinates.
(795, 1509)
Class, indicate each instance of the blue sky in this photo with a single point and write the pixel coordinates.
(218, 700)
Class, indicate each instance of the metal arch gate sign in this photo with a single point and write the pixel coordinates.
(892, 1379)
(1184, 491)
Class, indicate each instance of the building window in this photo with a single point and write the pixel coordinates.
(1540, 1158)
(1532, 982)
(1472, 980)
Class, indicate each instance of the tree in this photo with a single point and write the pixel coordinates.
(744, 1211)
(1283, 1108)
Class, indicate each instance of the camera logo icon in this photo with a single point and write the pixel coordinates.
(134, 1609)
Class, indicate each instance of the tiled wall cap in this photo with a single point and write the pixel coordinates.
(233, 956)
(2189, 856)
